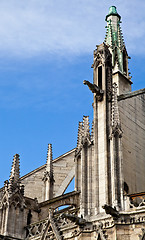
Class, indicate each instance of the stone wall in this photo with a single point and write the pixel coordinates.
(64, 171)
(34, 186)
(132, 115)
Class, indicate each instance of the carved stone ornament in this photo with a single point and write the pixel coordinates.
(83, 135)
(102, 56)
(100, 232)
(95, 89)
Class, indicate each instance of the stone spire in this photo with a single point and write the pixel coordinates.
(48, 177)
(15, 173)
(114, 40)
(49, 165)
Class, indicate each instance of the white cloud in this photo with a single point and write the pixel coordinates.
(30, 28)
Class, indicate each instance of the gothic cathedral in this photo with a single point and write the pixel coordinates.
(108, 165)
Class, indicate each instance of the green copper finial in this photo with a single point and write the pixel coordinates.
(112, 11)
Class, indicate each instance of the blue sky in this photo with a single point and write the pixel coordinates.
(46, 51)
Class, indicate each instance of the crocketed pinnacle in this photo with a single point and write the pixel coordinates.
(114, 39)
(86, 127)
(49, 164)
(80, 131)
(15, 170)
(83, 133)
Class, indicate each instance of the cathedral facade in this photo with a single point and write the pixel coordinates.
(108, 165)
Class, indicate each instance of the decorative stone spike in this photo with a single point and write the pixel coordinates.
(49, 158)
(80, 132)
(49, 164)
(15, 173)
(48, 176)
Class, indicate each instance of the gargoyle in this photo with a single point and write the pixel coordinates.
(95, 89)
(74, 218)
(112, 211)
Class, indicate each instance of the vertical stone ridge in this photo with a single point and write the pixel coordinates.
(92, 131)
(115, 112)
(15, 173)
(116, 156)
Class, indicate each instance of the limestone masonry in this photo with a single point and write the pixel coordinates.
(108, 165)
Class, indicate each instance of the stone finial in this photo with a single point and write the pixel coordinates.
(15, 172)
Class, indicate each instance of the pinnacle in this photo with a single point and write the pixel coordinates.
(49, 166)
(83, 131)
(15, 170)
(114, 39)
(49, 153)
(14, 180)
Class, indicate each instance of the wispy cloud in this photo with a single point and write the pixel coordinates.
(30, 28)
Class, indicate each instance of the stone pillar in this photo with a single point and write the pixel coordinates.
(84, 181)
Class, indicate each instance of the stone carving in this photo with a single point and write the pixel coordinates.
(48, 174)
(116, 126)
(100, 232)
(109, 83)
(112, 211)
(74, 218)
(95, 89)
(83, 134)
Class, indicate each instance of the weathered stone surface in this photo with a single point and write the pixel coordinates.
(108, 165)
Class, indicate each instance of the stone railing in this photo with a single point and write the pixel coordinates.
(137, 199)
(36, 229)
